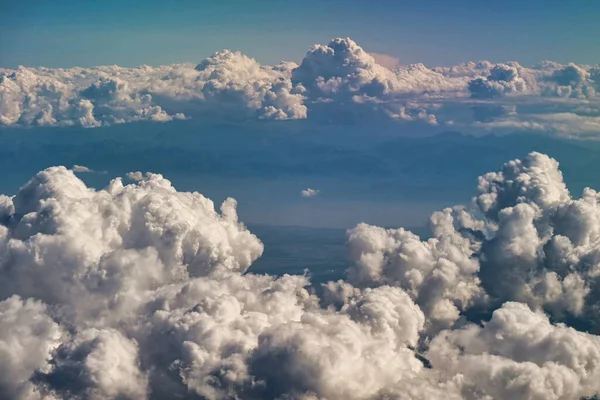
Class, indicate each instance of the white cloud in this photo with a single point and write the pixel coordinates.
(503, 79)
(27, 338)
(520, 354)
(141, 291)
(81, 168)
(110, 368)
(441, 274)
(84, 169)
(523, 239)
(338, 81)
(135, 176)
(310, 192)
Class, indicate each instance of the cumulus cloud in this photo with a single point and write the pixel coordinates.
(339, 81)
(523, 239)
(573, 81)
(28, 336)
(519, 354)
(503, 79)
(566, 124)
(84, 169)
(140, 291)
(237, 81)
(135, 176)
(81, 168)
(310, 192)
(226, 83)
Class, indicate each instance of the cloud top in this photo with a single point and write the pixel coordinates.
(339, 81)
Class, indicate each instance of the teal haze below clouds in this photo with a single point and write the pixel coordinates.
(436, 32)
(395, 178)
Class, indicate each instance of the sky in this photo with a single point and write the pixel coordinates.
(69, 33)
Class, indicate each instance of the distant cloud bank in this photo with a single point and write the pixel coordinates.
(141, 291)
(336, 81)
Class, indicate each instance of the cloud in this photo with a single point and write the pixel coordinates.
(522, 239)
(233, 80)
(141, 291)
(84, 169)
(310, 192)
(135, 176)
(338, 82)
(342, 73)
(573, 81)
(503, 79)
(441, 274)
(81, 168)
(110, 368)
(27, 338)
(517, 342)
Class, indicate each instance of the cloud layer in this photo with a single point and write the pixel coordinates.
(337, 81)
(139, 291)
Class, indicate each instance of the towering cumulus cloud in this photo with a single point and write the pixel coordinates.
(339, 81)
(142, 292)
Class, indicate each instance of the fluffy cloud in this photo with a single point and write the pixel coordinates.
(574, 81)
(503, 79)
(339, 81)
(519, 354)
(81, 168)
(523, 239)
(27, 338)
(140, 291)
(310, 192)
(95, 364)
(225, 83)
(124, 239)
(237, 81)
(135, 176)
(440, 274)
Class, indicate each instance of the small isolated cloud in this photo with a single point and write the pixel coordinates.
(386, 60)
(84, 169)
(81, 168)
(135, 176)
(310, 192)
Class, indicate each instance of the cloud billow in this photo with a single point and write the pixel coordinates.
(337, 82)
(140, 291)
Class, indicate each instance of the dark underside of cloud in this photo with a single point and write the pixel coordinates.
(141, 291)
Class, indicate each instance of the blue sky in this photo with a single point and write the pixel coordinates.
(130, 33)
